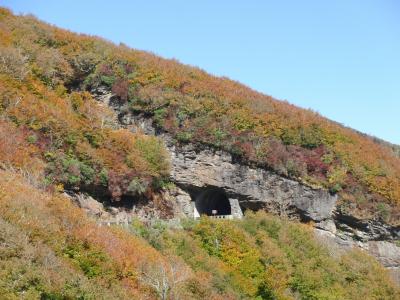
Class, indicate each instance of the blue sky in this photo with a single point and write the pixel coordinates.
(340, 58)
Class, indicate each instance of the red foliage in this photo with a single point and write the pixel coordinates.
(277, 154)
(118, 184)
(312, 159)
(106, 70)
(121, 89)
(247, 149)
(314, 163)
(128, 68)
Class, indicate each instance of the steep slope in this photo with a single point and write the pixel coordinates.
(50, 250)
(55, 137)
(198, 108)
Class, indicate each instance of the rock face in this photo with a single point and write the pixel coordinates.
(106, 214)
(97, 211)
(387, 253)
(364, 230)
(196, 167)
(253, 188)
(198, 170)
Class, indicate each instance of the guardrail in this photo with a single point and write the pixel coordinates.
(128, 222)
(221, 217)
(109, 223)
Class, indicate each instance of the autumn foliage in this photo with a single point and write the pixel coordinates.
(264, 257)
(43, 65)
(55, 136)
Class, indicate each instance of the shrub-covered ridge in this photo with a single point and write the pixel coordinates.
(55, 136)
(50, 250)
(263, 257)
(49, 63)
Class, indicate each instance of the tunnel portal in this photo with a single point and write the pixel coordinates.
(213, 202)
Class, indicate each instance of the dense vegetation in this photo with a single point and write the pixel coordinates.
(67, 137)
(50, 250)
(42, 65)
(263, 257)
(55, 136)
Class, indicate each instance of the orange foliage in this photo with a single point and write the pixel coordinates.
(57, 221)
(193, 105)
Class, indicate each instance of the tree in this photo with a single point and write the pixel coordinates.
(13, 63)
(52, 67)
(165, 276)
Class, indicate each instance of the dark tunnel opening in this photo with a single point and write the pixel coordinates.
(213, 202)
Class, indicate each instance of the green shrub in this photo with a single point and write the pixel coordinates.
(153, 151)
(311, 137)
(290, 137)
(159, 116)
(87, 173)
(94, 139)
(136, 186)
(162, 183)
(91, 262)
(383, 211)
(219, 136)
(103, 177)
(336, 179)
(152, 232)
(69, 170)
(32, 139)
(107, 80)
(184, 136)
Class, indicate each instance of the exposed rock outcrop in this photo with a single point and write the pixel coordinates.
(106, 214)
(387, 253)
(254, 188)
(197, 167)
(364, 230)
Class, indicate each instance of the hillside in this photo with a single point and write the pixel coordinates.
(50, 250)
(191, 105)
(57, 138)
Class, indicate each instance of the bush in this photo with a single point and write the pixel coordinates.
(136, 186)
(121, 89)
(103, 177)
(107, 80)
(311, 137)
(32, 139)
(153, 151)
(84, 63)
(383, 211)
(219, 136)
(69, 170)
(184, 137)
(52, 68)
(336, 178)
(159, 116)
(14, 63)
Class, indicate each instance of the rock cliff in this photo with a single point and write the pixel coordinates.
(254, 188)
(197, 169)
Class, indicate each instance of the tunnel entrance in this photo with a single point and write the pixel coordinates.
(213, 202)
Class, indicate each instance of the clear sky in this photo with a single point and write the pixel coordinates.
(340, 57)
